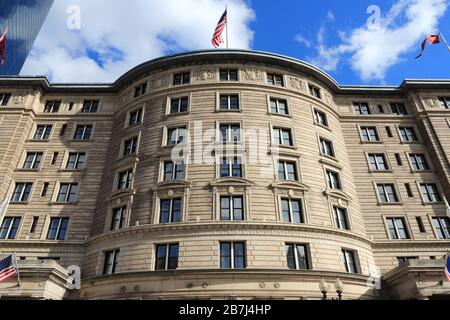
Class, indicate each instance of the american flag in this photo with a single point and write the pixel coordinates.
(447, 267)
(2, 45)
(7, 269)
(217, 37)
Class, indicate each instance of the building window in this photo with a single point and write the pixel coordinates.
(333, 180)
(34, 224)
(140, 90)
(4, 98)
(229, 102)
(326, 147)
(58, 229)
(321, 118)
(444, 102)
(279, 106)
(361, 108)
(292, 211)
(232, 255)
(52, 106)
(135, 117)
(170, 210)
(398, 109)
(22, 192)
(62, 133)
(397, 228)
(83, 132)
(429, 192)
(42, 132)
(408, 134)
(350, 261)
(10, 227)
(45, 189)
(297, 257)
(403, 260)
(287, 170)
(230, 132)
(442, 227)
(418, 162)
(314, 91)
(111, 261)
(167, 256)
(76, 161)
(231, 208)
(341, 218)
(67, 193)
(130, 146)
(118, 218)
(231, 167)
(173, 170)
(90, 106)
(282, 137)
(369, 134)
(378, 162)
(380, 108)
(420, 225)
(389, 131)
(179, 105)
(228, 75)
(398, 159)
(275, 80)
(125, 180)
(176, 136)
(33, 161)
(409, 190)
(181, 78)
(387, 193)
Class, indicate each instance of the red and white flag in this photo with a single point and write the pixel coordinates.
(217, 37)
(2, 45)
(431, 39)
(7, 268)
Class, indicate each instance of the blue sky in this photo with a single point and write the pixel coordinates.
(334, 35)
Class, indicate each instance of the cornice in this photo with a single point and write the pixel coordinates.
(217, 56)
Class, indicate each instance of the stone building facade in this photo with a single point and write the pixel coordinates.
(319, 181)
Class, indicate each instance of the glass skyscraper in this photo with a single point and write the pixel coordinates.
(24, 19)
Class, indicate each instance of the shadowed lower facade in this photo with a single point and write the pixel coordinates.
(225, 174)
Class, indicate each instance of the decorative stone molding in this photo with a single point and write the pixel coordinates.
(297, 83)
(159, 81)
(205, 75)
(430, 102)
(328, 98)
(252, 74)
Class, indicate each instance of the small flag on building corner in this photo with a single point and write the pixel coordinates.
(447, 267)
(217, 38)
(7, 268)
(2, 45)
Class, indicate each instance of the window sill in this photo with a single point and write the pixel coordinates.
(25, 203)
(83, 141)
(169, 115)
(229, 110)
(130, 126)
(280, 115)
(54, 203)
(38, 141)
(371, 142)
(381, 171)
(322, 126)
(390, 203)
(72, 170)
(27, 170)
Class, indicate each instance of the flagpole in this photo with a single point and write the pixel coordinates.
(17, 269)
(226, 9)
(446, 44)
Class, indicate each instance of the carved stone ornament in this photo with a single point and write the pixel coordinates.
(329, 98)
(430, 102)
(231, 190)
(19, 97)
(159, 81)
(291, 193)
(170, 192)
(252, 74)
(205, 74)
(297, 83)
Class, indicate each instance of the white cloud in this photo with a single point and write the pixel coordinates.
(330, 15)
(122, 34)
(303, 40)
(372, 51)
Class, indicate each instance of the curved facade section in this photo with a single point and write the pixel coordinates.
(223, 174)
